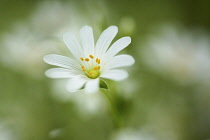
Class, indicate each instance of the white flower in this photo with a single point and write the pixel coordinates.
(182, 55)
(33, 39)
(6, 132)
(133, 134)
(86, 105)
(91, 62)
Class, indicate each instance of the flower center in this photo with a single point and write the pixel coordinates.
(91, 66)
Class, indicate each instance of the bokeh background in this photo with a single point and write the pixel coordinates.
(166, 96)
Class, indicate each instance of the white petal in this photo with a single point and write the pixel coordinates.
(60, 73)
(120, 61)
(118, 46)
(76, 83)
(115, 75)
(92, 86)
(105, 40)
(87, 40)
(61, 61)
(73, 45)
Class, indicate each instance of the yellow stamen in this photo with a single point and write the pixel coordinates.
(91, 56)
(98, 68)
(82, 67)
(99, 61)
(86, 59)
(96, 60)
(82, 58)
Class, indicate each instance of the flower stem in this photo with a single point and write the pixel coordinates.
(117, 118)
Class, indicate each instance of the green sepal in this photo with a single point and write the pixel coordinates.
(82, 87)
(103, 84)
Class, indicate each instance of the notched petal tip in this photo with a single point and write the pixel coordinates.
(47, 73)
(123, 76)
(46, 58)
(125, 40)
(132, 60)
(113, 28)
(86, 27)
(128, 39)
(59, 73)
(116, 75)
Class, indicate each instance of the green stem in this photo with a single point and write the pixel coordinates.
(117, 119)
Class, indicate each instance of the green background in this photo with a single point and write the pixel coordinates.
(164, 107)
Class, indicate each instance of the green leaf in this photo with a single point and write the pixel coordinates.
(103, 84)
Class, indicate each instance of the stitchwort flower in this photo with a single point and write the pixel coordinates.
(91, 62)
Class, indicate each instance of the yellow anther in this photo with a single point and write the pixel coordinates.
(99, 61)
(81, 58)
(82, 67)
(96, 60)
(86, 59)
(98, 68)
(91, 56)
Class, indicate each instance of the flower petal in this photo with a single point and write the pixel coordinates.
(119, 45)
(92, 86)
(115, 75)
(105, 40)
(76, 83)
(73, 45)
(87, 39)
(61, 61)
(120, 61)
(60, 73)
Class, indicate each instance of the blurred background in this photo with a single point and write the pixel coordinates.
(166, 96)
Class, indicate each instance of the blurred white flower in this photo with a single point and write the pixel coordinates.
(25, 45)
(52, 18)
(85, 104)
(92, 62)
(128, 88)
(132, 134)
(29, 40)
(22, 51)
(55, 133)
(184, 56)
(5, 133)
